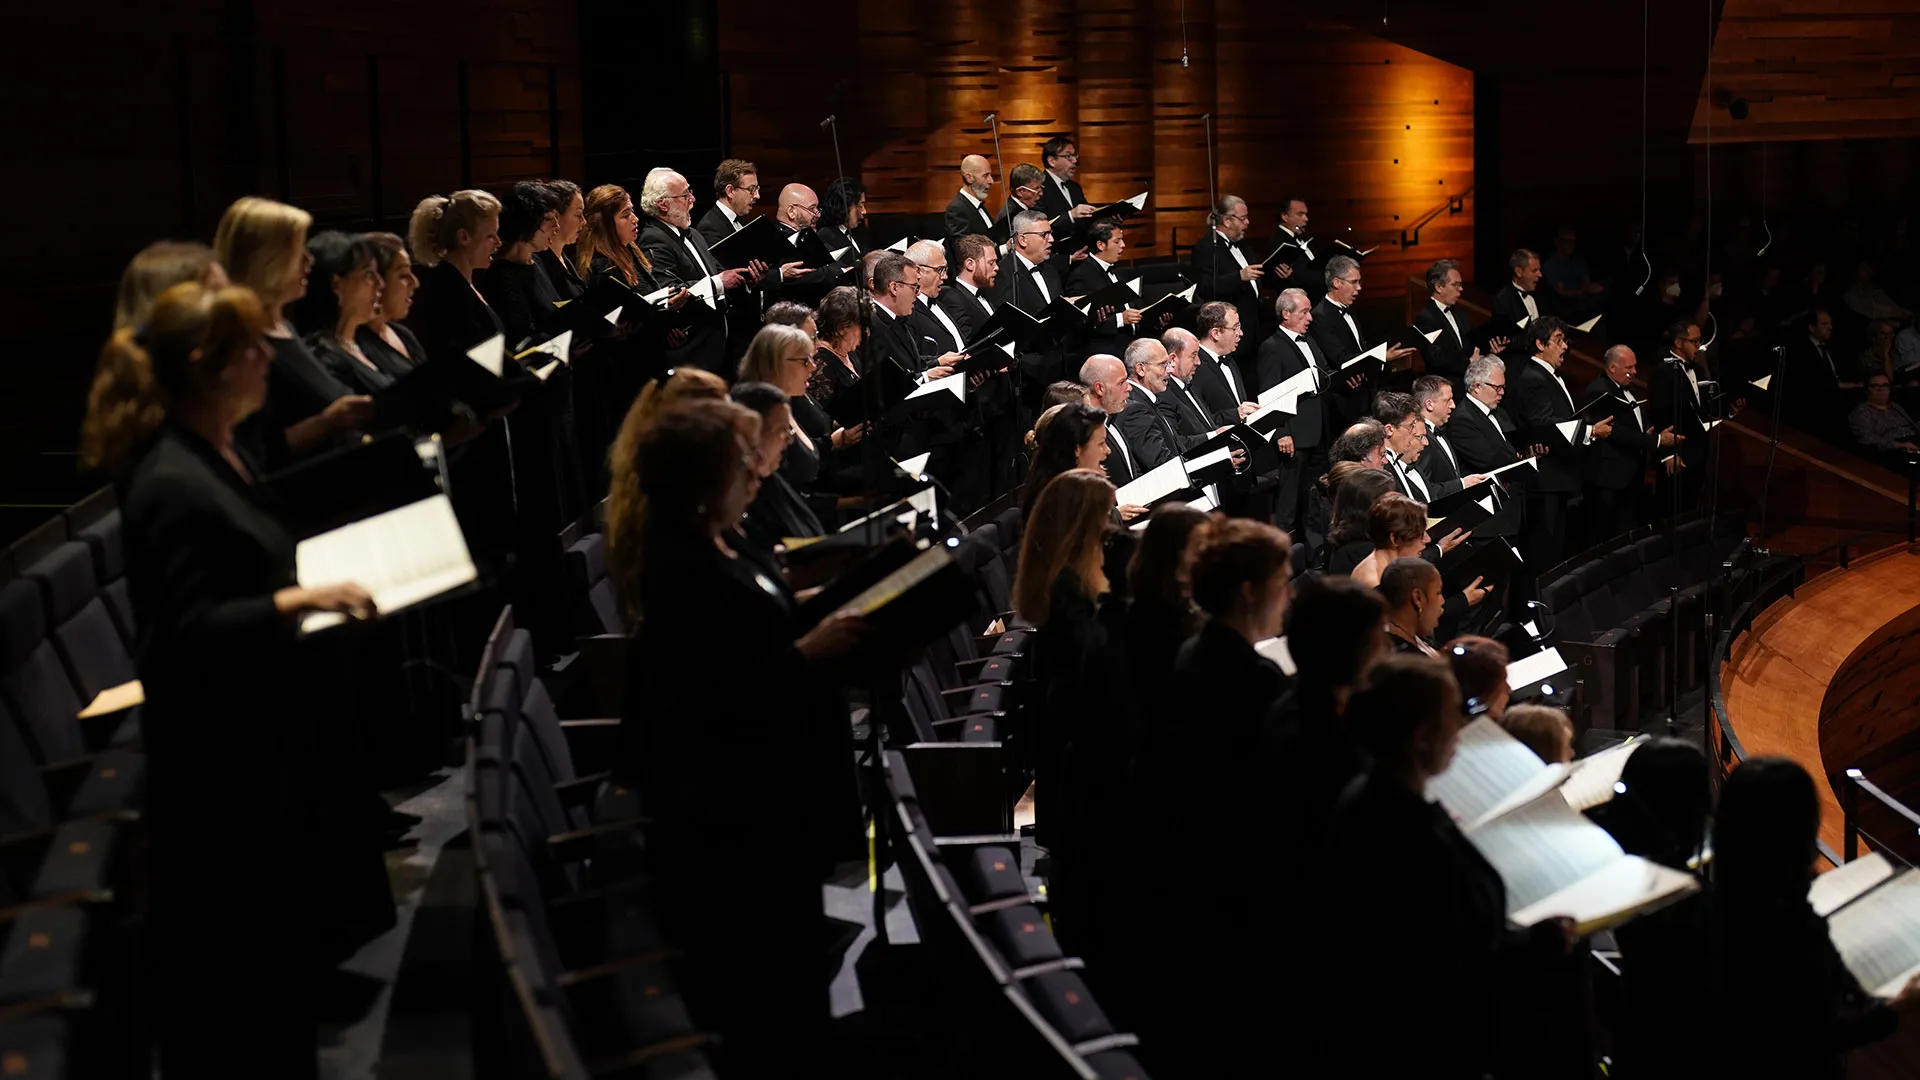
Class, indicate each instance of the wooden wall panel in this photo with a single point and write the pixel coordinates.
(1371, 133)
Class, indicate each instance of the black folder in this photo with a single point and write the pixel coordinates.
(586, 314)
(339, 487)
(1466, 514)
(422, 399)
(1290, 253)
(757, 239)
(1492, 561)
(1119, 295)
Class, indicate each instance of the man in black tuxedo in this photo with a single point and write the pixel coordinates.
(1024, 187)
(967, 213)
(1029, 282)
(896, 290)
(796, 211)
(1812, 397)
(1301, 441)
(965, 463)
(1223, 389)
(1105, 378)
(1111, 328)
(1340, 340)
(736, 188)
(1616, 467)
(1148, 431)
(940, 338)
(1539, 398)
(1481, 433)
(1222, 271)
(1180, 404)
(1306, 274)
(1440, 466)
(1680, 404)
(1061, 198)
(1449, 354)
(968, 302)
(1519, 300)
(680, 257)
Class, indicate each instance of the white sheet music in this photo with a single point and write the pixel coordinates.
(1212, 457)
(658, 297)
(1843, 884)
(1138, 201)
(1543, 847)
(916, 464)
(613, 317)
(1490, 769)
(955, 384)
(1591, 781)
(1611, 895)
(1433, 336)
(556, 347)
(1305, 381)
(1154, 486)
(1528, 670)
(1763, 382)
(490, 354)
(1533, 461)
(1275, 649)
(402, 557)
(1378, 352)
(1587, 327)
(1878, 935)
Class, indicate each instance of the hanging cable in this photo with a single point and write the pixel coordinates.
(1706, 278)
(1643, 151)
(1183, 33)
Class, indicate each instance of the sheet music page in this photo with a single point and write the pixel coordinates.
(115, 698)
(1612, 895)
(1488, 766)
(916, 464)
(1378, 352)
(1433, 336)
(1212, 457)
(1275, 649)
(1293, 386)
(1844, 883)
(490, 354)
(1878, 935)
(1543, 847)
(955, 384)
(1592, 779)
(887, 589)
(401, 556)
(1528, 670)
(1155, 485)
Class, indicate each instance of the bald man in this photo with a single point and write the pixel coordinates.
(967, 213)
(1181, 404)
(1105, 378)
(796, 211)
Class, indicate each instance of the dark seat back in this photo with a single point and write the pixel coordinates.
(34, 684)
(83, 633)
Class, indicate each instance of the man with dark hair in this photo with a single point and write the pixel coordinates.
(1539, 399)
(1811, 396)
(969, 302)
(1221, 270)
(1113, 327)
(1451, 352)
(1365, 442)
(1340, 340)
(736, 188)
(843, 208)
(1307, 274)
(1024, 188)
(1219, 382)
(967, 213)
(1406, 442)
(1616, 468)
(1062, 195)
(1519, 301)
(1680, 404)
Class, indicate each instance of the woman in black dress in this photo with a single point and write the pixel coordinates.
(736, 723)
(253, 894)
(453, 238)
(1348, 544)
(339, 305)
(1075, 437)
(514, 285)
(778, 511)
(1789, 1004)
(385, 338)
(837, 333)
(263, 245)
(561, 273)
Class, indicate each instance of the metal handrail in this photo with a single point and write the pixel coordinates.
(1410, 234)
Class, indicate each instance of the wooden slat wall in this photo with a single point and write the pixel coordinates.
(1813, 69)
(1372, 134)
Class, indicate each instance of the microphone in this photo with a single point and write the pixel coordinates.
(989, 118)
(826, 122)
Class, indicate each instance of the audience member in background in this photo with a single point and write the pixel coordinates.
(1795, 989)
(514, 285)
(1241, 579)
(1815, 374)
(562, 273)
(1411, 590)
(211, 571)
(1868, 299)
(1577, 297)
(263, 246)
(454, 238)
(1059, 580)
(626, 502)
(1544, 729)
(1882, 428)
(1877, 355)
(339, 304)
(779, 510)
(1075, 438)
(156, 269)
(1405, 885)
(385, 338)
(1666, 957)
(1348, 540)
(1480, 667)
(838, 335)
(722, 740)
(1906, 354)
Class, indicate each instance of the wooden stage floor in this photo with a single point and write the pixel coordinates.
(1780, 670)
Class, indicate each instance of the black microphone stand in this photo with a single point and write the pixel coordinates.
(1774, 388)
(1714, 598)
(1678, 395)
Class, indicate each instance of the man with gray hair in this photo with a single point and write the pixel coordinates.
(1222, 272)
(1480, 431)
(1147, 430)
(680, 257)
(1025, 184)
(1340, 340)
(1450, 353)
(1301, 439)
(1029, 282)
(1180, 405)
(1105, 378)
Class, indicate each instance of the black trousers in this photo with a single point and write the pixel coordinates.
(1544, 539)
(1610, 512)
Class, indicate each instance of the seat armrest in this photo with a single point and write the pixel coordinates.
(594, 744)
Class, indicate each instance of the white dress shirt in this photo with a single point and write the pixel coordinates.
(726, 211)
(1352, 327)
(1526, 300)
(1415, 484)
(979, 207)
(1227, 370)
(976, 293)
(1120, 444)
(1119, 321)
(940, 316)
(1447, 314)
(1434, 438)
(1587, 432)
(1039, 279)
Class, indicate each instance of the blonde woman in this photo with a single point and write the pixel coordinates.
(263, 246)
(453, 237)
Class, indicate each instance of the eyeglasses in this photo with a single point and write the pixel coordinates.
(751, 190)
(1500, 386)
(1353, 281)
(1074, 156)
(1048, 234)
(807, 360)
(687, 195)
(940, 270)
(814, 209)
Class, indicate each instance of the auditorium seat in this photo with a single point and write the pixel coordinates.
(593, 604)
(84, 633)
(36, 686)
(36, 797)
(43, 962)
(103, 539)
(34, 1048)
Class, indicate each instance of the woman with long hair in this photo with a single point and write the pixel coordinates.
(626, 503)
(837, 332)
(157, 268)
(385, 338)
(1075, 438)
(1348, 543)
(562, 274)
(735, 718)
(263, 246)
(843, 211)
(210, 567)
(453, 238)
(345, 299)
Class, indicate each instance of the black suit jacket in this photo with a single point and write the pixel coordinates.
(1149, 434)
(448, 316)
(1508, 307)
(964, 219)
(1619, 461)
(1057, 206)
(1434, 464)
(1216, 275)
(713, 225)
(1278, 360)
(1190, 424)
(1015, 286)
(674, 264)
(1479, 439)
(1339, 345)
(1086, 278)
(1309, 276)
(810, 287)
(1447, 354)
(1122, 468)
(1675, 406)
(931, 337)
(893, 341)
(1216, 394)
(965, 308)
(1003, 226)
(1536, 401)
